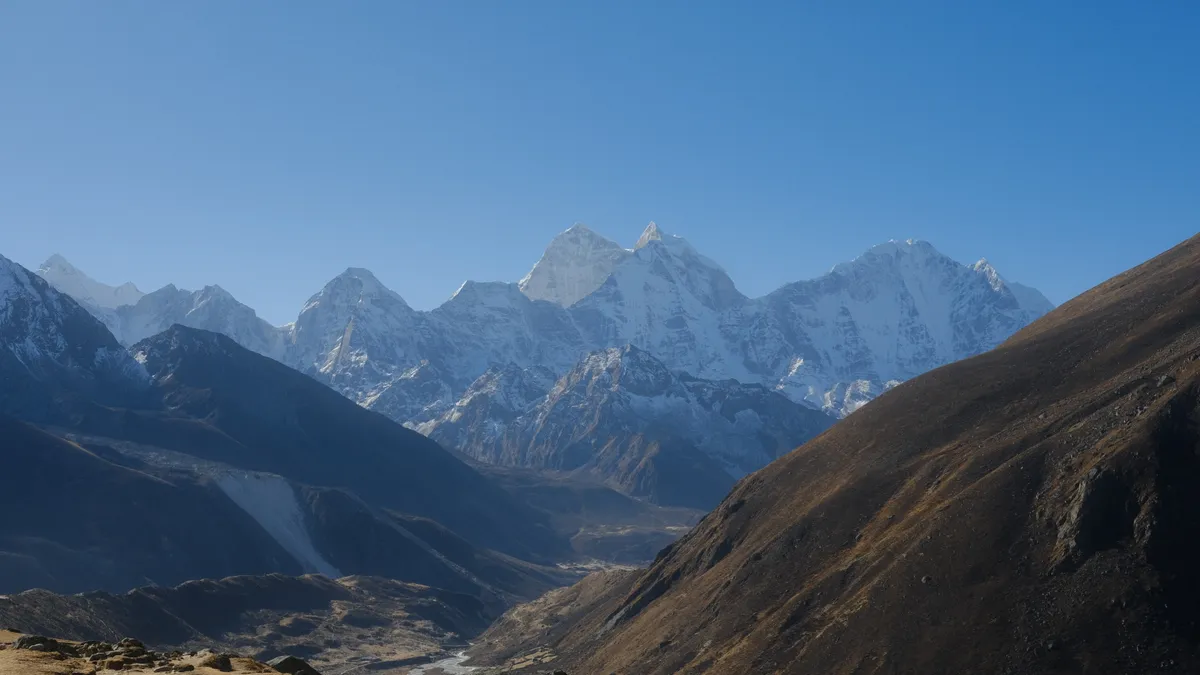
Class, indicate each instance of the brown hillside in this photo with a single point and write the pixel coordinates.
(1035, 509)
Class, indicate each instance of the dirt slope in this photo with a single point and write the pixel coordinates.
(1035, 509)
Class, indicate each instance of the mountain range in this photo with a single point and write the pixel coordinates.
(829, 344)
(1029, 510)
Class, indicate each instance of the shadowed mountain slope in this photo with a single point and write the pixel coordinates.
(227, 404)
(78, 522)
(1035, 509)
(201, 458)
(83, 521)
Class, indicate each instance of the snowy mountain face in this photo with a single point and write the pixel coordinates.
(832, 343)
(366, 341)
(900, 309)
(575, 264)
(478, 422)
(48, 342)
(357, 335)
(66, 278)
(418, 394)
(211, 308)
(132, 316)
(670, 301)
(613, 406)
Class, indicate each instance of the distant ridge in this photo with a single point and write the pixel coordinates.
(70, 280)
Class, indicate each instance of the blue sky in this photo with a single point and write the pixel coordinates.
(267, 146)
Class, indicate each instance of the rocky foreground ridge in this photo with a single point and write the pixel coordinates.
(41, 654)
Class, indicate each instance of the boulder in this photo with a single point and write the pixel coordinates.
(28, 641)
(218, 662)
(292, 666)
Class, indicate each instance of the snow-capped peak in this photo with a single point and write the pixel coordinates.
(367, 282)
(984, 268)
(353, 287)
(353, 322)
(51, 336)
(652, 233)
(488, 293)
(1028, 298)
(216, 292)
(576, 262)
(66, 278)
(582, 230)
(893, 252)
(57, 262)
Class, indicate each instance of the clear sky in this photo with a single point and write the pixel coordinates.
(266, 146)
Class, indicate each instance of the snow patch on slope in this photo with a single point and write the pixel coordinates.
(271, 501)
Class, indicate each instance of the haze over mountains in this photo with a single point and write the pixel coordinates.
(829, 344)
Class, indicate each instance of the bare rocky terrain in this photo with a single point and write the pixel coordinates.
(353, 624)
(22, 654)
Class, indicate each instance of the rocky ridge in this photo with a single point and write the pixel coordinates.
(623, 417)
(131, 656)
